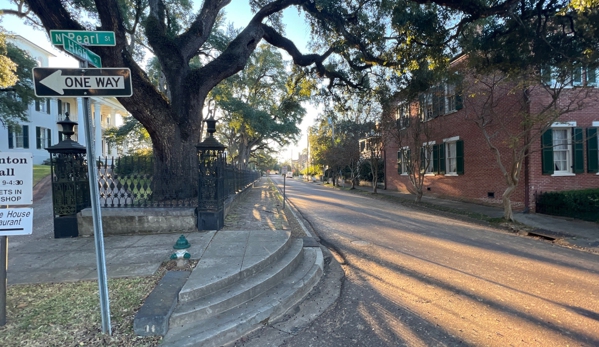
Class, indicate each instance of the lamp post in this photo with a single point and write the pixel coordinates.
(70, 182)
(211, 167)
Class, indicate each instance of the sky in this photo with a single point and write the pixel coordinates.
(238, 12)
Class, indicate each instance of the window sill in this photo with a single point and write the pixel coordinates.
(565, 174)
(452, 174)
(429, 174)
(405, 174)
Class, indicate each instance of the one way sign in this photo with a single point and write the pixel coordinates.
(82, 82)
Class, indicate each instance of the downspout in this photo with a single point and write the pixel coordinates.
(384, 168)
(526, 161)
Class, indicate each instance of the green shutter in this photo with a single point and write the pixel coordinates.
(408, 159)
(577, 75)
(591, 76)
(442, 159)
(59, 107)
(25, 136)
(48, 104)
(436, 158)
(547, 152)
(399, 161)
(438, 102)
(38, 138)
(459, 149)
(592, 151)
(49, 137)
(578, 165)
(10, 144)
(459, 103)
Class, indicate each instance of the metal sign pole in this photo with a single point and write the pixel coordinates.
(97, 217)
(3, 281)
(284, 179)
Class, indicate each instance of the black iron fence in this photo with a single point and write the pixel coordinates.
(128, 181)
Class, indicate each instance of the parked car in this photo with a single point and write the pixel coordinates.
(289, 174)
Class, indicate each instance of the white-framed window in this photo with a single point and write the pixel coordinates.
(63, 107)
(43, 137)
(562, 149)
(454, 156)
(403, 115)
(579, 76)
(18, 137)
(584, 76)
(426, 106)
(450, 152)
(403, 161)
(427, 158)
(450, 98)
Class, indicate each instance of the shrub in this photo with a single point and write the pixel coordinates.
(139, 164)
(580, 204)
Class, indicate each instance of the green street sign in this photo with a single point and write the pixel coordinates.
(81, 52)
(84, 38)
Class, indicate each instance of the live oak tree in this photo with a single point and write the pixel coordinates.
(260, 105)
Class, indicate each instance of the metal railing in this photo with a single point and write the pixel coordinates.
(126, 182)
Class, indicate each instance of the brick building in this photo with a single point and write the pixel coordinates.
(455, 156)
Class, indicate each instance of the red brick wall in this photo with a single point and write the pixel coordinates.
(481, 170)
(584, 119)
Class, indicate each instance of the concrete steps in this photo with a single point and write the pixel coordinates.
(236, 304)
(216, 272)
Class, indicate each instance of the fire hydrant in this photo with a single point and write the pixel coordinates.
(181, 254)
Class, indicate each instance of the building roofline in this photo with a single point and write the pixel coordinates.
(19, 37)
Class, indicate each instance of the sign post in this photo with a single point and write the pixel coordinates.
(87, 82)
(16, 188)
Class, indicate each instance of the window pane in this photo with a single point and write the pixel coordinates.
(451, 157)
(560, 160)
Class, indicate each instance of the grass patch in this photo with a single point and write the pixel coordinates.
(39, 172)
(68, 314)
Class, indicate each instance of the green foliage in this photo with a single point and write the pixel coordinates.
(132, 133)
(14, 102)
(261, 103)
(581, 204)
(8, 68)
(141, 163)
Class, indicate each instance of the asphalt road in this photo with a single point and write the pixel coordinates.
(416, 279)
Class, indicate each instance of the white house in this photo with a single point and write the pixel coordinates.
(41, 130)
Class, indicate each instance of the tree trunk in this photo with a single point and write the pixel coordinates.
(419, 194)
(175, 171)
(508, 214)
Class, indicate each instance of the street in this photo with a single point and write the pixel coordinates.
(416, 279)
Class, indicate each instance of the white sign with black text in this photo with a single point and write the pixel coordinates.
(16, 221)
(16, 178)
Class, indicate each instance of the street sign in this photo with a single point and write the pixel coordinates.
(82, 82)
(81, 52)
(16, 178)
(84, 38)
(16, 221)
